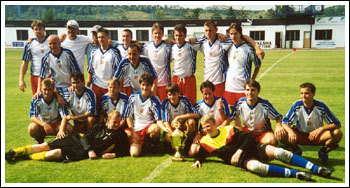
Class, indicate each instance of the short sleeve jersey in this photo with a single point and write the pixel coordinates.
(108, 104)
(255, 118)
(240, 60)
(34, 52)
(306, 121)
(81, 104)
(60, 67)
(143, 112)
(124, 54)
(159, 57)
(102, 65)
(126, 69)
(184, 59)
(169, 111)
(47, 112)
(202, 108)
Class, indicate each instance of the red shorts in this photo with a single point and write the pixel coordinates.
(219, 90)
(232, 98)
(99, 92)
(34, 83)
(80, 127)
(187, 87)
(257, 135)
(303, 139)
(142, 134)
(161, 93)
(127, 90)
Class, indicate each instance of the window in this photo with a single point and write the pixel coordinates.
(171, 34)
(82, 32)
(257, 35)
(22, 34)
(293, 35)
(113, 34)
(324, 34)
(142, 35)
(51, 32)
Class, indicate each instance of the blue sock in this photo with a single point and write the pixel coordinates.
(300, 161)
(277, 171)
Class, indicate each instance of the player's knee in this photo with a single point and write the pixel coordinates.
(135, 150)
(34, 129)
(53, 154)
(257, 167)
(338, 135)
(193, 150)
(269, 140)
(191, 125)
(283, 155)
(154, 130)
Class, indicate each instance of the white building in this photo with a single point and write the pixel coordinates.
(304, 32)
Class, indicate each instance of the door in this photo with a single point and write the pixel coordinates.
(278, 41)
(307, 37)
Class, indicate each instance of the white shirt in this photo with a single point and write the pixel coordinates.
(184, 59)
(78, 47)
(143, 112)
(108, 105)
(160, 59)
(169, 111)
(102, 65)
(240, 60)
(202, 108)
(34, 52)
(60, 68)
(308, 121)
(255, 118)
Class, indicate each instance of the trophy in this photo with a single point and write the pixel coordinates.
(177, 140)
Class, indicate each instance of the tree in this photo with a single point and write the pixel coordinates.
(195, 13)
(48, 15)
(231, 13)
(243, 14)
(216, 15)
(159, 14)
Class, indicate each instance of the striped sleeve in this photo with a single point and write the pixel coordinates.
(291, 116)
(165, 111)
(92, 101)
(129, 112)
(34, 108)
(73, 62)
(45, 66)
(27, 55)
(328, 116)
(155, 108)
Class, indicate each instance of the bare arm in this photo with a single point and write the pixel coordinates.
(256, 71)
(80, 116)
(62, 130)
(154, 88)
(45, 125)
(259, 52)
(23, 70)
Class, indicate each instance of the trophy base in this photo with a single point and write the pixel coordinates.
(177, 159)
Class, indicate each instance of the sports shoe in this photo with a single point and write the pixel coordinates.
(323, 156)
(303, 176)
(10, 156)
(324, 172)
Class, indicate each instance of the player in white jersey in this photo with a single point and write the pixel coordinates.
(215, 106)
(47, 117)
(304, 124)
(240, 58)
(143, 116)
(34, 51)
(76, 43)
(102, 66)
(134, 67)
(184, 55)
(82, 103)
(114, 100)
(178, 109)
(215, 63)
(158, 53)
(255, 114)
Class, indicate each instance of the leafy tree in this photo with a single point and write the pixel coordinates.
(231, 13)
(216, 15)
(48, 15)
(159, 14)
(195, 13)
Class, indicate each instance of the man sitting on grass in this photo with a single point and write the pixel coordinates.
(107, 141)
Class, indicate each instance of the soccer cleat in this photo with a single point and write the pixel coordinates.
(10, 156)
(323, 156)
(324, 172)
(303, 176)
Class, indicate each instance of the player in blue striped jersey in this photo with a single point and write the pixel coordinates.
(82, 103)
(255, 114)
(34, 51)
(47, 117)
(304, 124)
(143, 116)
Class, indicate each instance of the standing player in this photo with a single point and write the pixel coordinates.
(308, 115)
(133, 68)
(240, 58)
(143, 116)
(239, 149)
(178, 108)
(256, 113)
(76, 43)
(158, 53)
(82, 103)
(46, 116)
(108, 141)
(102, 65)
(34, 51)
(184, 55)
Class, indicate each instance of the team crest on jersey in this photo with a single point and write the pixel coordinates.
(101, 62)
(180, 55)
(308, 123)
(211, 54)
(135, 77)
(42, 51)
(234, 57)
(78, 107)
(156, 56)
(60, 66)
(141, 110)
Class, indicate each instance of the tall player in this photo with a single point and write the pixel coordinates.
(34, 51)
(240, 58)
(256, 113)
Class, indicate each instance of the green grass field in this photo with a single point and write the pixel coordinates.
(279, 79)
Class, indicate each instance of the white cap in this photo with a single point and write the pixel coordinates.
(96, 28)
(73, 23)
